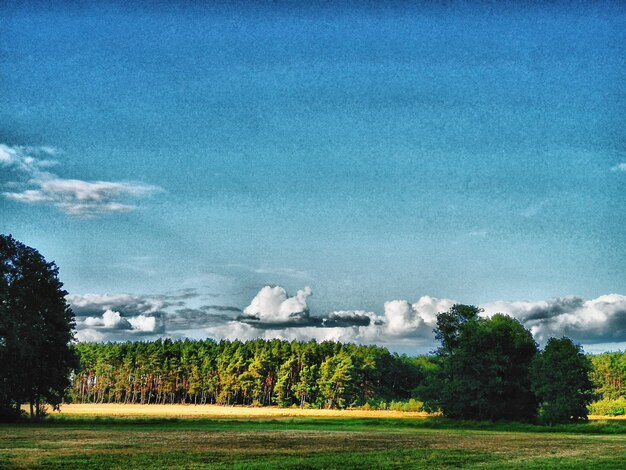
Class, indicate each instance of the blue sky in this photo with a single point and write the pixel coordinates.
(469, 152)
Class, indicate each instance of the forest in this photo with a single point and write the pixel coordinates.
(275, 372)
(259, 372)
(609, 379)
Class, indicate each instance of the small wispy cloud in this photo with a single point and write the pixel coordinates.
(273, 271)
(533, 209)
(282, 272)
(74, 197)
(27, 159)
(619, 167)
(479, 233)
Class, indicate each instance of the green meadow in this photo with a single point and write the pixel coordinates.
(431, 442)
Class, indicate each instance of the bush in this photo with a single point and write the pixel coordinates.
(372, 404)
(11, 415)
(411, 405)
(609, 407)
(377, 404)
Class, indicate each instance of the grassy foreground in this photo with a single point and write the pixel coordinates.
(270, 438)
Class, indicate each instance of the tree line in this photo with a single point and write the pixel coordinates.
(485, 368)
(492, 369)
(258, 372)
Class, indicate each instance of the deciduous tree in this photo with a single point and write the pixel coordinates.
(560, 379)
(484, 366)
(36, 328)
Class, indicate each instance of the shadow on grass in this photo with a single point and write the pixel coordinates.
(397, 458)
(330, 424)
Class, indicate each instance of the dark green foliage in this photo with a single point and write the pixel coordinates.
(250, 373)
(450, 326)
(560, 379)
(35, 330)
(483, 367)
(428, 390)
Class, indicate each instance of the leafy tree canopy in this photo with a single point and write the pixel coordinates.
(561, 380)
(36, 328)
(483, 366)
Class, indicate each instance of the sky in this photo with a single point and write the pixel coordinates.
(335, 171)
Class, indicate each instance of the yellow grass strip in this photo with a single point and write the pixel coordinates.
(215, 411)
(604, 418)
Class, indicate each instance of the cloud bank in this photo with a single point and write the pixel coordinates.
(599, 320)
(74, 197)
(273, 313)
(121, 317)
(115, 317)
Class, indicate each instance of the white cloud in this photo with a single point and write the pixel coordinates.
(29, 196)
(89, 336)
(74, 197)
(273, 305)
(22, 159)
(6, 154)
(428, 307)
(116, 315)
(372, 334)
(619, 167)
(109, 319)
(479, 233)
(289, 272)
(272, 313)
(83, 300)
(598, 320)
(95, 191)
(112, 320)
(81, 198)
(401, 318)
(281, 316)
(86, 304)
(143, 323)
(586, 321)
(93, 321)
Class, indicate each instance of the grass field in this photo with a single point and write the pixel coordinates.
(129, 436)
